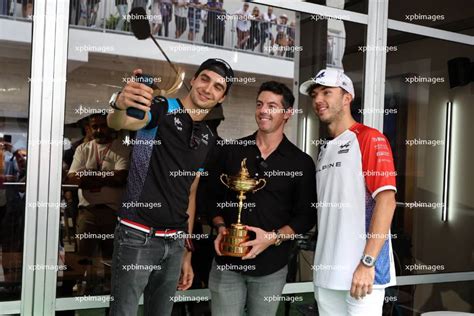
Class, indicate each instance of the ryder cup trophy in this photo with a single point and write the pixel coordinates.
(241, 183)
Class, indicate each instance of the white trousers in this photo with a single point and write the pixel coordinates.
(341, 303)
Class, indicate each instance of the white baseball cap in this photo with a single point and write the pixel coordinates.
(330, 77)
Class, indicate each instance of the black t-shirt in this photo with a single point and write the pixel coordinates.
(287, 198)
(166, 157)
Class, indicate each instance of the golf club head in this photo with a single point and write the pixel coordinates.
(171, 87)
(139, 23)
(141, 29)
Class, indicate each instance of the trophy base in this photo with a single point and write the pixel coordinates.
(231, 242)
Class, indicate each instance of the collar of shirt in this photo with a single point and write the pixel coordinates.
(284, 148)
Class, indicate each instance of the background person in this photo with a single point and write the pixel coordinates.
(254, 39)
(156, 18)
(194, 18)
(122, 8)
(243, 26)
(100, 169)
(13, 221)
(166, 9)
(282, 38)
(266, 28)
(180, 16)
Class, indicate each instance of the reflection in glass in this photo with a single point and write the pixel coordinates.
(14, 94)
(416, 110)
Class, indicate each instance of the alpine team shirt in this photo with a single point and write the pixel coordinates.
(351, 170)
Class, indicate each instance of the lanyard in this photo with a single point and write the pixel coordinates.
(100, 161)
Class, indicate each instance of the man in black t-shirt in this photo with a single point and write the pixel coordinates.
(275, 215)
(170, 148)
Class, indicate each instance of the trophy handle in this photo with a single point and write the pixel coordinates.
(258, 183)
(226, 179)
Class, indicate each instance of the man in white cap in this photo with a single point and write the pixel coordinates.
(356, 189)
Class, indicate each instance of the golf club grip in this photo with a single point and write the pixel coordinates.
(147, 80)
(136, 113)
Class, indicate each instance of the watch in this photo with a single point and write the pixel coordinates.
(113, 99)
(368, 261)
(279, 240)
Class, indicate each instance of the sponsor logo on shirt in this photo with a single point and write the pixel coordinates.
(329, 166)
(205, 138)
(343, 149)
(378, 139)
(178, 124)
(381, 146)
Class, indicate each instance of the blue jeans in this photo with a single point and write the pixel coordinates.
(145, 264)
(3, 7)
(230, 291)
(122, 10)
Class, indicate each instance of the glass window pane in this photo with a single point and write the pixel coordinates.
(335, 44)
(359, 6)
(419, 85)
(15, 81)
(424, 299)
(455, 16)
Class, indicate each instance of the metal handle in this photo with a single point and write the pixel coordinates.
(261, 187)
(227, 179)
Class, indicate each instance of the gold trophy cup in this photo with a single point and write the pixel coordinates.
(241, 183)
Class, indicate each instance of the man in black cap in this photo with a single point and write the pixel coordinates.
(159, 204)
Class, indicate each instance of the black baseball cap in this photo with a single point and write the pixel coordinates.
(219, 66)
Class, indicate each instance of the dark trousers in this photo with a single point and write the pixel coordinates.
(144, 264)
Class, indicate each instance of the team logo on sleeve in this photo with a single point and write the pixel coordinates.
(344, 148)
(178, 124)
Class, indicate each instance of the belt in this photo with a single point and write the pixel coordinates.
(149, 230)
